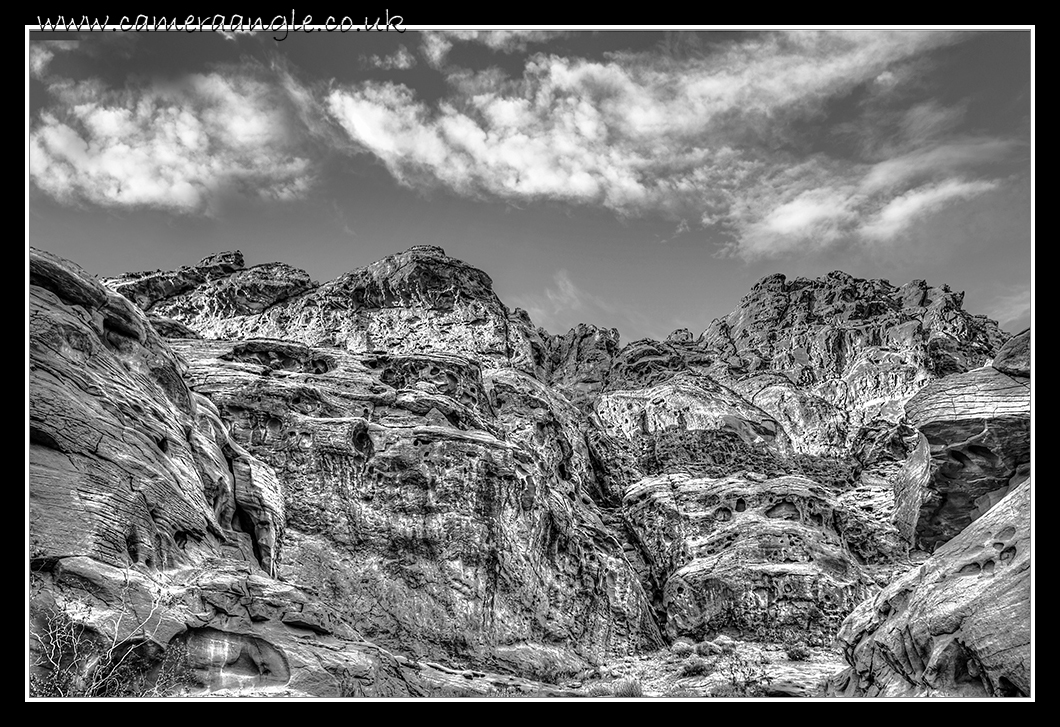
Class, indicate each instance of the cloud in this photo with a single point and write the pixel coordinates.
(437, 44)
(178, 146)
(711, 136)
(898, 214)
(930, 160)
(1012, 307)
(41, 53)
(735, 137)
(401, 59)
(564, 304)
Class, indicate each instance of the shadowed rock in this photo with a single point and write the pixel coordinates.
(977, 429)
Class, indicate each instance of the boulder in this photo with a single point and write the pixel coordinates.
(956, 626)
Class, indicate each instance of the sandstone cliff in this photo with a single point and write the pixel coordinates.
(316, 488)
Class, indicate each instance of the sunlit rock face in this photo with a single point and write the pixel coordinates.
(420, 300)
(957, 625)
(314, 487)
(440, 508)
(127, 464)
(862, 346)
(151, 528)
(746, 554)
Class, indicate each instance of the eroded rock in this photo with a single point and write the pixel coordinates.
(977, 429)
(750, 554)
(863, 346)
(956, 626)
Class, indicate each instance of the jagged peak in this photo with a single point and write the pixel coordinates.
(229, 258)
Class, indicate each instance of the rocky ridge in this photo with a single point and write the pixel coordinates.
(332, 483)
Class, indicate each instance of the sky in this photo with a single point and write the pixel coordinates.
(636, 180)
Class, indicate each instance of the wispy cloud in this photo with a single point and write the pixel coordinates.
(898, 214)
(179, 146)
(702, 137)
(563, 304)
(1013, 307)
(401, 59)
(437, 44)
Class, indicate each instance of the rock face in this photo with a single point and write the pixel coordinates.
(1014, 358)
(746, 554)
(958, 625)
(305, 489)
(136, 487)
(864, 347)
(443, 510)
(688, 403)
(417, 301)
(977, 429)
(128, 465)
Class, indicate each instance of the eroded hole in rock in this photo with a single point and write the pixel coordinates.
(274, 425)
(361, 440)
(222, 660)
(42, 438)
(1008, 554)
(132, 544)
(982, 452)
(785, 510)
(969, 569)
(392, 377)
(741, 504)
(245, 523)
(1006, 688)
(723, 514)
(163, 444)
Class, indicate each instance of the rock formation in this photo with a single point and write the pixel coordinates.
(976, 426)
(418, 301)
(957, 625)
(390, 481)
(442, 509)
(747, 554)
(862, 346)
(149, 525)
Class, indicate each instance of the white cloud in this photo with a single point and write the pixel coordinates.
(898, 214)
(639, 134)
(715, 137)
(41, 53)
(437, 44)
(175, 146)
(947, 157)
